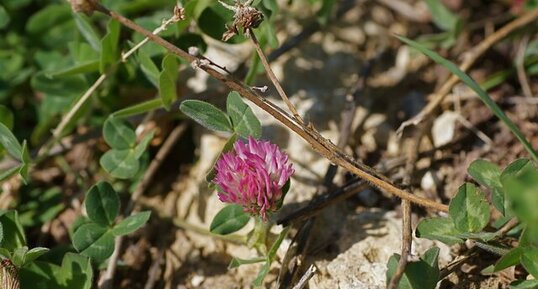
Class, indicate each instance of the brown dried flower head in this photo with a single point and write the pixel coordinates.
(179, 13)
(245, 17)
(85, 6)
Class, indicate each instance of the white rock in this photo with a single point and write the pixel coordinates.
(428, 181)
(369, 240)
(443, 128)
(197, 280)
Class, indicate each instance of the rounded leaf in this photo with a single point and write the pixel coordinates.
(118, 134)
(485, 172)
(439, 228)
(489, 175)
(94, 241)
(244, 121)
(35, 253)
(167, 80)
(49, 16)
(67, 86)
(74, 272)
(469, 209)
(102, 204)
(19, 256)
(418, 274)
(206, 115)
(228, 220)
(131, 223)
(121, 164)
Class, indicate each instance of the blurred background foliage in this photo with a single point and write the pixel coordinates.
(49, 56)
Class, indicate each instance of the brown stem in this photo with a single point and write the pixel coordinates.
(307, 276)
(272, 75)
(507, 227)
(520, 63)
(406, 245)
(412, 151)
(309, 134)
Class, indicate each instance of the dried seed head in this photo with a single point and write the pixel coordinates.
(179, 13)
(248, 17)
(85, 6)
(245, 17)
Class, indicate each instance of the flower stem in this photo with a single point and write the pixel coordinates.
(258, 237)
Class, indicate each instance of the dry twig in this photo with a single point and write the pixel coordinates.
(318, 204)
(407, 230)
(272, 76)
(309, 134)
(407, 239)
(520, 66)
(307, 276)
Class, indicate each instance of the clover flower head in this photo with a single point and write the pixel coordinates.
(252, 175)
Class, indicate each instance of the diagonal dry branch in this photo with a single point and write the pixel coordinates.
(308, 133)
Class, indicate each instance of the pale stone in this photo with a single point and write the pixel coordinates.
(443, 128)
(369, 240)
